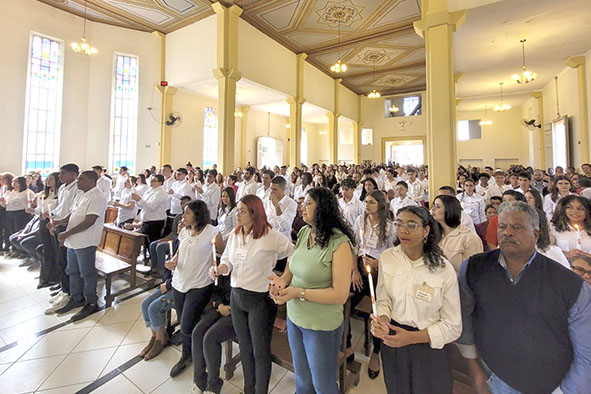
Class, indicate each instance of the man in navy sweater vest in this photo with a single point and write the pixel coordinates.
(525, 317)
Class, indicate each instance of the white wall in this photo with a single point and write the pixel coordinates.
(86, 88)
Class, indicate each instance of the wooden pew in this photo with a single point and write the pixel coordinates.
(110, 214)
(281, 354)
(116, 254)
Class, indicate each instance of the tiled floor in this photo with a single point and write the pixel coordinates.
(68, 359)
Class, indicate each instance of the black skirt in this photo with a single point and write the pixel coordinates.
(416, 369)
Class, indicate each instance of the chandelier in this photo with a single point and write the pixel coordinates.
(374, 94)
(501, 107)
(393, 109)
(238, 114)
(339, 66)
(525, 76)
(84, 47)
(485, 121)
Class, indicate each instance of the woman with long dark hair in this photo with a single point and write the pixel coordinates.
(418, 306)
(191, 284)
(369, 185)
(375, 233)
(315, 286)
(140, 185)
(5, 189)
(544, 245)
(226, 219)
(562, 188)
(534, 198)
(571, 226)
(17, 201)
(250, 255)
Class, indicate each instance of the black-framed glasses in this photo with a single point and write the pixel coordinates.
(581, 271)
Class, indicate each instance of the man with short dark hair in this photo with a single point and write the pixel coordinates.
(210, 193)
(402, 199)
(178, 189)
(525, 317)
(103, 183)
(265, 190)
(465, 218)
(248, 185)
(415, 187)
(524, 179)
(281, 211)
(302, 189)
(120, 182)
(153, 205)
(82, 236)
(586, 168)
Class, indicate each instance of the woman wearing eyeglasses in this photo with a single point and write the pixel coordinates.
(418, 307)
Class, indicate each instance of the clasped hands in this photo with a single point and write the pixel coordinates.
(280, 291)
(380, 328)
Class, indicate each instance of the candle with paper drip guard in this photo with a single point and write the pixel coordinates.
(49, 214)
(371, 290)
(42, 205)
(170, 247)
(579, 239)
(215, 263)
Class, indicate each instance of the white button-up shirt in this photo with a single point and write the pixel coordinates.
(351, 210)
(93, 202)
(301, 192)
(194, 260)
(167, 185)
(180, 189)
(227, 222)
(245, 188)
(369, 240)
(124, 214)
(211, 196)
(282, 222)
(398, 203)
(263, 193)
(567, 240)
(411, 294)
(104, 185)
(416, 191)
(119, 186)
(251, 260)
(65, 199)
(153, 204)
(493, 190)
(474, 206)
(18, 201)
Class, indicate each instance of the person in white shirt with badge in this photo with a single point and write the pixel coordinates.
(126, 207)
(349, 205)
(153, 205)
(248, 184)
(472, 203)
(210, 193)
(281, 210)
(82, 236)
(120, 182)
(375, 232)
(402, 200)
(179, 189)
(250, 255)
(415, 187)
(418, 308)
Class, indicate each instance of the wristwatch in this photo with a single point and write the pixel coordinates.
(302, 294)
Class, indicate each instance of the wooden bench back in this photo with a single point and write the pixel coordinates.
(120, 243)
(110, 214)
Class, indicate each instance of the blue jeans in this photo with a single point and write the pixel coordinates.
(314, 355)
(154, 309)
(82, 273)
(158, 253)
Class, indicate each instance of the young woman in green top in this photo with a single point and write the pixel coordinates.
(315, 286)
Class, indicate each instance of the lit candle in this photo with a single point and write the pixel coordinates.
(49, 214)
(170, 246)
(215, 263)
(579, 239)
(371, 291)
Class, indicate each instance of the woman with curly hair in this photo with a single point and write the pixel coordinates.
(571, 226)
(418, 307)
(315, 286)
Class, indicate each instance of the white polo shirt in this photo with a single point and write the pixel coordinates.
(93, 202)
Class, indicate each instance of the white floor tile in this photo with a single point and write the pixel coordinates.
(66, 389)
(27, 328)
(119, 385)
(101, 337)
(277, 374)
(27, 376)
(123, 354)
(147, 375)
(21, 315)
(285, 385)
(138, 333)
(14, 353)
(56, 343)
(120, 314)
(79, 368)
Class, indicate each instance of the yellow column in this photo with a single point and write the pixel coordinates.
(540, 97)
(227, 75)
(167, 93)
(436, 27)
(244, 109)
(294, 152)
(333, 125)
(578, 63)
(357, 133)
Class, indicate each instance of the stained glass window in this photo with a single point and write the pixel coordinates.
(210, 137)
(43, 105)
(124, 113)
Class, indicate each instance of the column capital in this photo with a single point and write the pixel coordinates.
(295, 100)
(231, 73)
(537, 95)
(458, 101)
(301, 56)
(244, 109)
(220, 8)
(575, 61)
(168, 90)
(458, 76)
(332, 115)
(452, 19)
(338, 80)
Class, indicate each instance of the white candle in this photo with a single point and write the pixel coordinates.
(170, 246)
(215, 263)
(371, 291)
(579, 239)
(42, 205)
(49, 214)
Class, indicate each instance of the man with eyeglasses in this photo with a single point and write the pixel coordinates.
(153, 205)
(525, 318)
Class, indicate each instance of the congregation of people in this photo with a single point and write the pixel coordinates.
(497, 265)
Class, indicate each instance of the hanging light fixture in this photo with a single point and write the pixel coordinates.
(238, 114)
(339, 66)
(485, 121)
(525, 76)
(374, 94)
(393, 109)
(501, 107)
(84, 47)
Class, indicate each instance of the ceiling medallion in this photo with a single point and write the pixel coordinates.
(374, 56)
(343, 12)
(394, 80)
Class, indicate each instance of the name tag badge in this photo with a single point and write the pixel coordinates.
(372, 243)
(241, 253)
(424, 292)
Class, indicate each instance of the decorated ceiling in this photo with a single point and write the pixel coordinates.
(375, 38)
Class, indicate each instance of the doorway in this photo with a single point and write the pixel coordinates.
(404, 150)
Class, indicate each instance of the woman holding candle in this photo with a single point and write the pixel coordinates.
(191, 285)
(571, 226)
(418, 305)
(376, 233)
(250, 255)
(315, 285)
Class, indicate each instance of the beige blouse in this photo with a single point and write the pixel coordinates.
(460, 244)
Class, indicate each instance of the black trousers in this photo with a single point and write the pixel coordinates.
(61, 253)
(153, 231)
(358, 296)
(49, 269)
(189, 307)
(253, 315)
(416, 369)
(4, 232)
(17, 220)
(208, 336)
